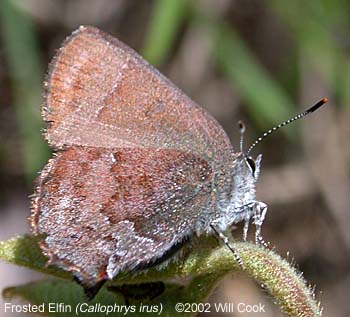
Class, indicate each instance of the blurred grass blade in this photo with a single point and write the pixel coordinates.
(344, 84)
(167, 17)
(22, 55)
(321, 37)
(266, 100)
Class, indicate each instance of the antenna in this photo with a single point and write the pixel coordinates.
(241, 130)
(297, 117)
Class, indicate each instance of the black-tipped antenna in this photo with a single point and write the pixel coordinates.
(241, 130)
(297, 117)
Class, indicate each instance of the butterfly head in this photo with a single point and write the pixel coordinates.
(242, 204)
(253, 165)
(246, 171)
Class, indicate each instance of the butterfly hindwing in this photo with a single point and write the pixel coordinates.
(104, 211)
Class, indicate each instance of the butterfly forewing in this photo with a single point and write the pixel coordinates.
(101, 93)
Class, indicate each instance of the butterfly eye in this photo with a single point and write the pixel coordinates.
(251, 164)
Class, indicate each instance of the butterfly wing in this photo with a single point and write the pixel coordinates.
(102, 93)
(136, 162)
(105, 211)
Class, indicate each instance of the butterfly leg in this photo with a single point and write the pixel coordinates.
(228, 240)
(245, 228)
(259, 217)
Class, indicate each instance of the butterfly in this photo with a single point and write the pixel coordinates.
(138, 170)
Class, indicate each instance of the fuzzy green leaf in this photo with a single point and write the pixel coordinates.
(207, 263)
(25, 251)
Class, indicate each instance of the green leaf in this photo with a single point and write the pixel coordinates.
(25, 251)
(206, 263)
(64, 298)
(50, 294)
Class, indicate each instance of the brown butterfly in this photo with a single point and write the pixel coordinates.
(138, 169)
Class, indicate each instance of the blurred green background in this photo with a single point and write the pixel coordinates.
(259, 61)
